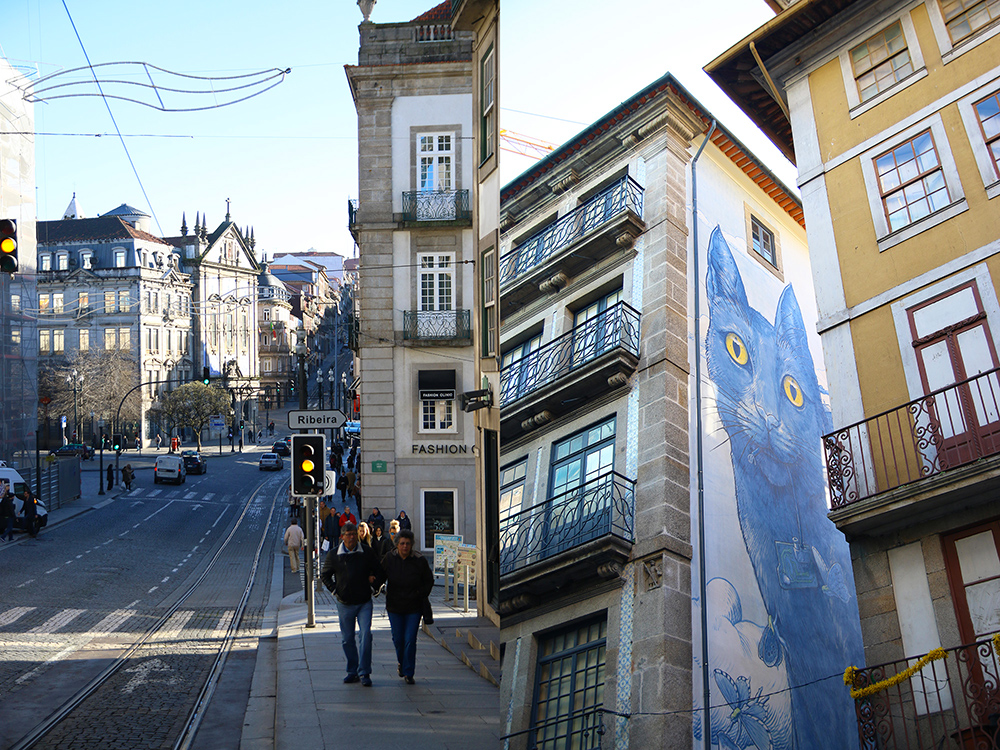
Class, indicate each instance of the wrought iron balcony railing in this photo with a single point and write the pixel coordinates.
(603, 506)
(622, 196)
(951, 702)
(948, 428)
(352, 212)
(439, 325)
(616, 327)
(436, 205)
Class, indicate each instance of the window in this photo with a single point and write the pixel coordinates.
(762, 241)
(15, 336)
(489, 322)
(597, 328)
(569, 687)
(436, 296)
(436, 394)
(82, 303)
(512, 489)
(439, 514)
(972, 562)
(44, 262)
(44, 304)
(881, 61)
(267, 365)
(264, 341)
(62, 262)
(988, 114)
(109, 302)
(15, 302)
(119, 259)
(582, 457)
(58, 341)
(84, 340)
(124, 302)
(87, 260)
(267, 314)
(124, 339)
(911, 181)
(437, 416)
(170, 340)
(487, 76)
(110, 338)
(435, 161)
(519, 373)
(44, 341)
(964, 17)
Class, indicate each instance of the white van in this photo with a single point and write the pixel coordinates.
(15, 482)
(169, 469)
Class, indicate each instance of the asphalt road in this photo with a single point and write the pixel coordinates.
(84, 591)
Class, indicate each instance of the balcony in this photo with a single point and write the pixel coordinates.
(926, 457)
(451, 326)
(436, 205)
(951, 702)
(610, 220)
(352, 217)
(593, 358)
(577, 534)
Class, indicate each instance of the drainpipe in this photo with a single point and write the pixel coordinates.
(706, 726)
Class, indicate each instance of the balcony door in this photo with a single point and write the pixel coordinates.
(519, 372)
(953, 344)
(436, 199)
(596, 328)
(580, 487)
(436, 313)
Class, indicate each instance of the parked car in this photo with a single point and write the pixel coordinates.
(271, 461)
(73, 449)
(169, 469)
(194, 462)
(281, 448)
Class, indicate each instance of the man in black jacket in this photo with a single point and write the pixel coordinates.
(350, 571)
(410, 581)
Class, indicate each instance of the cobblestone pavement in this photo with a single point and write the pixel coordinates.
(75, 597)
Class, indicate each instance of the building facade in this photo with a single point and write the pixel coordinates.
(412, 89)
(275, 327)
(892, 114)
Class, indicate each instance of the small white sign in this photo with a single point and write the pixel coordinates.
(329, 419)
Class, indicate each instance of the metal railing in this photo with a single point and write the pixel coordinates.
(626, 194)
(951, 702)
(617, 327)
(352, 212)
(419, 325)
(601, 507)
(436, 205)
(948, 428)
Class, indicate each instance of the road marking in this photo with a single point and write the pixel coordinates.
(22, 585)
(201, 541)
(174, 493)
(209, 495)
(189, 495)
(138, 502)
(197, 507)
(66, 651)
(68, 562)
(113, 621)
(13, 615)
(152, 589)
(222, 627)
(165, 579)
(142, 674)
(51, 571)
(173, 627)
(162, 507)
(135, 526)
(123, 533)
(79, 556)
(108, 542)
(136, 491)
(58, 621)
(154, 493)
(218, 519)
(175, 570)
(129, 606)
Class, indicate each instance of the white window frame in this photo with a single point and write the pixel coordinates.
(949, 50)
(62, 261)
(86, 260)
(110, 337)
(44, 341)
(856, 106)
(58, 340)
(984, 159)
(83, 340)
(435, 156)
(488, 109)
(442, 409)
(58, 304)
(44, 262)
(119, 256)
(958, 204)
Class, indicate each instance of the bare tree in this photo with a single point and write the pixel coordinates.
(107, 375)
(191, 405)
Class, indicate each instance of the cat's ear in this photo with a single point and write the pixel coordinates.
(723, 278)
(788, 321)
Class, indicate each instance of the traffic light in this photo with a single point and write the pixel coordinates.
(243, 425)
(116, 443)
(8, 246)
(308, 469)
(291, 387)
(206, 376)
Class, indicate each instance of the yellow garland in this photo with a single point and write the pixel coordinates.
(850, 673)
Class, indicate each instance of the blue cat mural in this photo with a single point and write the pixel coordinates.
(769, 403)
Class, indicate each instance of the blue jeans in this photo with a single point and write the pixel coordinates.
(362, 613)
(404, 638)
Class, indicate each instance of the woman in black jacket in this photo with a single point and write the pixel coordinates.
(409, 582)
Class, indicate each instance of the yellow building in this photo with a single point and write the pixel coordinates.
(891, 112)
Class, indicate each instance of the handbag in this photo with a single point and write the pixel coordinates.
(425, 610)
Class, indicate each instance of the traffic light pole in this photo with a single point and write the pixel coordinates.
(310, 505)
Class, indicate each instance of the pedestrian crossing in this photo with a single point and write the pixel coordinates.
(88, 624)
(178, 495)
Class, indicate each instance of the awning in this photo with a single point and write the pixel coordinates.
(436, 385)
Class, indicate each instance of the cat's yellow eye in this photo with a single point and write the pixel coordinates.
(793, 391)
(736, 348)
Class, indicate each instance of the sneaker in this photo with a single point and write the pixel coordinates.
(408, 679)
(367, 681)
(351, 678)
(399, 669)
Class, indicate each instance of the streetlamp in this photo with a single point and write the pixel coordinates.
(331, 378)
(319, 383)
(343, 387)
(75, 379)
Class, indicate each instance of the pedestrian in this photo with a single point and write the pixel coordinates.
(342, 485)
(347, 517)
(30, 512)
(381, 543)
(324, 511)
(138, 444)
(159, 441)
(111, 476)
(293, 540)
(350, 573)
(329, 530)
(260, 435)
(128, 476)
(7, 513)
(393, 531)
(404, 521)
(375, 518)
(365, 534)
(409, 581)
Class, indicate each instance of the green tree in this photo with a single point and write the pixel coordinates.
(191, 405)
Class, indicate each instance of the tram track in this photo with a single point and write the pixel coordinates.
(158, 639)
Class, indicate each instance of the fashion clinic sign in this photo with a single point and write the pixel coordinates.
(439, 449)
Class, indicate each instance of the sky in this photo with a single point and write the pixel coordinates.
(287, 158)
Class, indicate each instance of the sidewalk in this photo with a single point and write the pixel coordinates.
(450, 706)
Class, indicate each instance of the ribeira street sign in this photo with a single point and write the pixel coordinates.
(329, 419)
